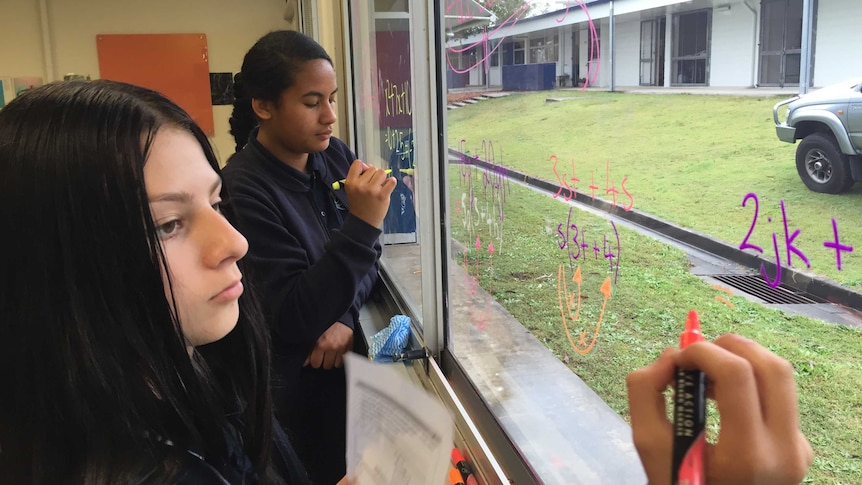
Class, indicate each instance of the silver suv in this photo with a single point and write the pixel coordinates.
(829, 123)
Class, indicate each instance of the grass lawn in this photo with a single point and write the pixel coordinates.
(689, 159)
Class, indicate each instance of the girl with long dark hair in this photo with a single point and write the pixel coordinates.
(129, 350)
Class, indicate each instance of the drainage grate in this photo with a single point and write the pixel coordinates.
(755, 285)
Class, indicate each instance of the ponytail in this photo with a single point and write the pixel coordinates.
(242, 119)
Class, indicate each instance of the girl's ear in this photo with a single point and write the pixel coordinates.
(263, 109)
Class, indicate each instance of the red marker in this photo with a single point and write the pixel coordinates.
(461, 464)
(689, 415)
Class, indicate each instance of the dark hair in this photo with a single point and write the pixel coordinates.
(94, 371)
(269, 67)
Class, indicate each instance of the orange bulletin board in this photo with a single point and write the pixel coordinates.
(176, 65)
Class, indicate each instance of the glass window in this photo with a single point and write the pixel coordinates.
(552, 296)
(518, 46)
(544, 49)
(551, 289)
(383, 53)
(781, 47)
(595, 50)
(691, 47)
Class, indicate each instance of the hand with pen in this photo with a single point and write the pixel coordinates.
(368, 189)
(760, 441)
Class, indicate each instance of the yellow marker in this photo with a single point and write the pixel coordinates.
(339, 184)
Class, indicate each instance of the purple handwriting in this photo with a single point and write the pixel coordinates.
(789, 238)
(485, 205)
(569, 192)
(495, 179)
(568, 241)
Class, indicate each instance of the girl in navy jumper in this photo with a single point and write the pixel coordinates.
(313, 249)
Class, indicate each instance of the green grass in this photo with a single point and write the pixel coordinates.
(689, 159)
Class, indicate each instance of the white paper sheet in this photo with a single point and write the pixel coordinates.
(396, 432)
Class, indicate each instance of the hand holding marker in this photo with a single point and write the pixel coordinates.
(689, 414)
(338, 185)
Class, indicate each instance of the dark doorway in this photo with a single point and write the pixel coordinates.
(780, 42)
(690, 62)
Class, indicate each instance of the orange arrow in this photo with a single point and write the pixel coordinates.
(563, 295)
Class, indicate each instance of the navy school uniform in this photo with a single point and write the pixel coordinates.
(314, 264)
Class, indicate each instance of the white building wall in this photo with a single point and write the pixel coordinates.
(732, 47)
(838, 41)
(627, 47)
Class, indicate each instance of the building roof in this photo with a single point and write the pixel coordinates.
(466, 14)
(573, 13)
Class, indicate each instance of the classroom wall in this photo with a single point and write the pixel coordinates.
(231, 27)
(21, 40)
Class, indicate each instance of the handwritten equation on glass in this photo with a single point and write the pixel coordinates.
(571, 301)
(581, 250)
(482, 211)
(570, 192)
(460, 12)
(789, 238)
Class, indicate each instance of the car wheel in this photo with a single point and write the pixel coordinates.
(822, 166)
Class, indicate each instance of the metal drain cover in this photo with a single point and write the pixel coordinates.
(756, 286)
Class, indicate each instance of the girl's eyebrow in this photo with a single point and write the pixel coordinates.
(182, 197)
(318, 94)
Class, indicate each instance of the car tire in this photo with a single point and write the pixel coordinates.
(822, 166)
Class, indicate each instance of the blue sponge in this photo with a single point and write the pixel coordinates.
(392, 340)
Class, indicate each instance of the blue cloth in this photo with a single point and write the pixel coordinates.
(392, 340)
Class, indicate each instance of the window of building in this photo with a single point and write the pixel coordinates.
(781, 42)
(690, 62)
(544, 49)
(518, 48)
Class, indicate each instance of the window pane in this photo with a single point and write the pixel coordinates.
(794, 25)
(791, 68)
(774, 13)
(519, 57)
(535, 298)
(770, 69)
(646, 39)
(385, 127)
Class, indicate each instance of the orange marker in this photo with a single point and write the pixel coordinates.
(455, 477)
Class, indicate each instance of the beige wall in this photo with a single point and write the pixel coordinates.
(329, 35)
(21, 40)
(231, 27)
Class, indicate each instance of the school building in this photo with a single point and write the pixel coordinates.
(625, 43)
